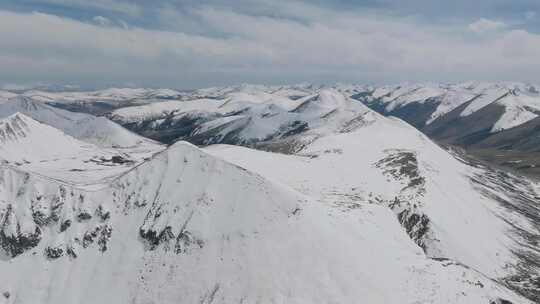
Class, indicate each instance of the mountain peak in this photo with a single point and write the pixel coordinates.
(184, 223)
(17, 126)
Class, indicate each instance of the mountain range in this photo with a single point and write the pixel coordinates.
(495, 122)
(269, 194)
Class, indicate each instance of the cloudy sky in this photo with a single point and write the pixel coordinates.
(198, 43)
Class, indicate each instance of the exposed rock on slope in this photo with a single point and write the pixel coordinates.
(434, 196)
(493, 121)
(186, 227)
(361, 209)
(468, 114)
(261, 120)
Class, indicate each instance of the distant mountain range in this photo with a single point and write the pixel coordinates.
(497, 122)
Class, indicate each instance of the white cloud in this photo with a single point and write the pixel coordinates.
(123, 24)
(122, 7)
(485, 25)
(322, 46)
(103, 21)
(530, 15)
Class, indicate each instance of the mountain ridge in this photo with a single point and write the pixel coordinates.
(356, 206)
(154, 232)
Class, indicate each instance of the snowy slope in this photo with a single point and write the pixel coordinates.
(485, 97)
(362, 209)
(434, 99)
(235, 97)
(101, 101)
(160, 110)
(399, 100)
(446, 206)
(494, 122)
(439, 100)
(24, 139)
(472, 115)
(450, 100)
(519, 109)
(159, 234)
(97, 130)
(36, 147)
(245, 118)
(418, 104)
(406, 95)
(465, 114)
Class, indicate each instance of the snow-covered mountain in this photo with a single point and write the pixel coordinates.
(107, 95)
(488, 119)
(447, 112)
(97, 130)
(464, 113)
(97, 102)
(430, 101)
(256, 118)
(519, 103)
(356, 207)
(494, 121)
(75, 147)
(29, 145)
(451, 209)
(187, 227)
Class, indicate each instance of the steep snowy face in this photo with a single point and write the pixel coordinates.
(447, 207)
(419, 104)
(519, 103)
(96, 130)
(402, 96)
(519, 109)
(438, 100)
(24, 139)
(448, 101)
(36, 147)
(185, 227)
(494, 121)
(36, 212)
(15, 127)
(486, 95)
